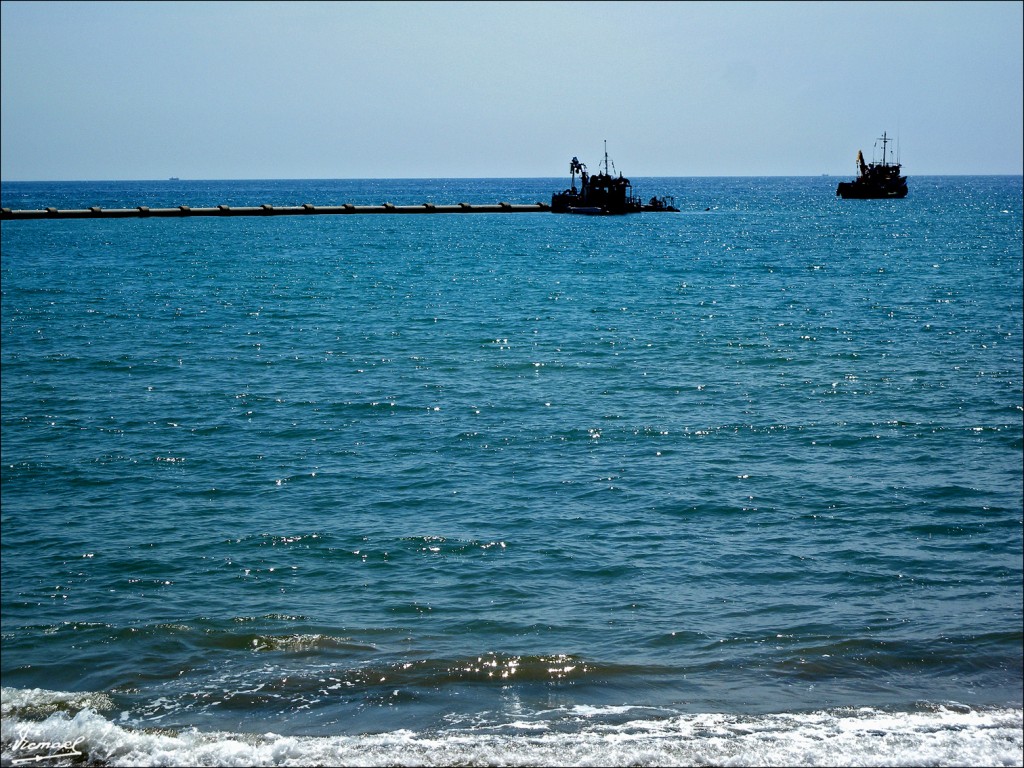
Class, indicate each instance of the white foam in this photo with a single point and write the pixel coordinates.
(862, 737)
(41, 701)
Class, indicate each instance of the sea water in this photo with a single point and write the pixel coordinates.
(736, 485)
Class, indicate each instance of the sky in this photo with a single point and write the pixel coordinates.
(334, 90)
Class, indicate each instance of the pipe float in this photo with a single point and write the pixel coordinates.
(142, 211)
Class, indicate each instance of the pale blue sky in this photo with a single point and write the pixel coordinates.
(233, 90)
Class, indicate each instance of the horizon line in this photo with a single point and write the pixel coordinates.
(475, 178)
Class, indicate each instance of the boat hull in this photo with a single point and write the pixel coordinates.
(851, 190)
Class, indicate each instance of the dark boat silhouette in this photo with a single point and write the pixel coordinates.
(603, 194)
(875, 181)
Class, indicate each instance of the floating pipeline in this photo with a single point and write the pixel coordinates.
(307, 209)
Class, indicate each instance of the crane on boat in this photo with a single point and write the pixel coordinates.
(575, 166)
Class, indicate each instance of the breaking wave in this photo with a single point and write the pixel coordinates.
(81, 729)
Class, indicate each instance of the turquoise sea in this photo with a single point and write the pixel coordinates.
(736, 485)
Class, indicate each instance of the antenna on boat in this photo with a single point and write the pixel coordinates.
(606, 157)
(885, 140)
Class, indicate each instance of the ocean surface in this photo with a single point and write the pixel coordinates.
(738, 485)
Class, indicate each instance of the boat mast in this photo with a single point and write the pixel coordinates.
(606, 157)
(885, 140)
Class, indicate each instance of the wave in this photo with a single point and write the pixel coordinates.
(77, 733)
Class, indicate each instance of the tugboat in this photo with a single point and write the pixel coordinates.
(603, 194)
(876, 181)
